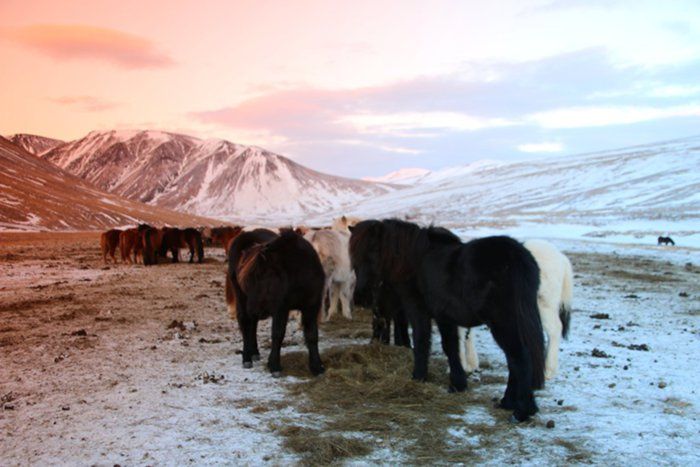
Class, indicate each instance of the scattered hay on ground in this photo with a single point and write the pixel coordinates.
(319, 448)
(368, 389)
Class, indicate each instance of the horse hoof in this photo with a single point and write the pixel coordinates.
(276, 374)
(247, 364)
(318, 370)
(256, 357)
(517, 417)
(453, 389)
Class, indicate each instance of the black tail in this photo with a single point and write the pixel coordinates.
(526, 280)
(565, 318)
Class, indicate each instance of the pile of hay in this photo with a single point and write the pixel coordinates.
(367, 391)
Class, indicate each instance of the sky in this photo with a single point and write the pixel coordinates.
(358, 88)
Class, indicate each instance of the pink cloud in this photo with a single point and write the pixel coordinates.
(62, 41)
(89, 103)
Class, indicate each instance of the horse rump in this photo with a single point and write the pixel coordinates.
(270, 275)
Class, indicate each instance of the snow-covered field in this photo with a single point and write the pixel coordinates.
(123, 366)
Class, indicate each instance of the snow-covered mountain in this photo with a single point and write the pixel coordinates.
(407, 176)
(37, 195)
(654, 187)
(33, 144)
(215, 178)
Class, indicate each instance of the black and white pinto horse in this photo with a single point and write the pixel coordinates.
(270, 275)
(491, 281)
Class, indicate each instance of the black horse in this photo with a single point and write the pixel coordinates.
(491, 281)
(270, 275)
(665, 241)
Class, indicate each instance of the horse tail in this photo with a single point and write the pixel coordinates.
(526, 279)
(567, 293)
(200, 246)
(230, 296)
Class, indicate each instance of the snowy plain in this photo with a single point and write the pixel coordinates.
(135, 390)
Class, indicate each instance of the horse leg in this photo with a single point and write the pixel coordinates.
(519, 395)
(326, 300)
(308, 317)
(450, 345)
(420, 322)
(467, 351)
(191, 247)
(401, 329)
(279, 326)
(345, 295)
(244, 323)
(552, 327)
(334, 298)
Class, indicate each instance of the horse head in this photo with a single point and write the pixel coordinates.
(365, 243)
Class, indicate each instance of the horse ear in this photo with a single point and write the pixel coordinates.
(344, 219)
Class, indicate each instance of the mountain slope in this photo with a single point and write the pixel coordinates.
(656, 184)
(208, 177)
(33, 144)
(36, 195)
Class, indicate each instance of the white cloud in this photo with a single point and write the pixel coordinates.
(541, 147)
(675, 91)
(383, 147)
(582, 117)
(407, 121)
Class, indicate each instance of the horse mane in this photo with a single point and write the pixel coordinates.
(361, 234)
(402, 244)
(442, 235)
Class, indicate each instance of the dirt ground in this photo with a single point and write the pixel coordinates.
(116, 364)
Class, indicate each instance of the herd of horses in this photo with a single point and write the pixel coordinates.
(408, 275)
(149, 244)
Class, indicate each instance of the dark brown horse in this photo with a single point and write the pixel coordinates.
(130, 241)
(174, 239)
(109, 241)
(271, 275)
(151, 239)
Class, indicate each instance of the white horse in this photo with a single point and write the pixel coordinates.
(554, 299)
(342, 224)
(332, 247)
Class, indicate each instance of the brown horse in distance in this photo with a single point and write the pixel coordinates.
(131, 240)
(151, 239)
(173, 239)
(223, 236)
(109, 241)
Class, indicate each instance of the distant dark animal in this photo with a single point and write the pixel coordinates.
(130, 240)
(109, 241)
(492, 280)
(665, 241)
(270, 275)
(223, 236)
(151, 238)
